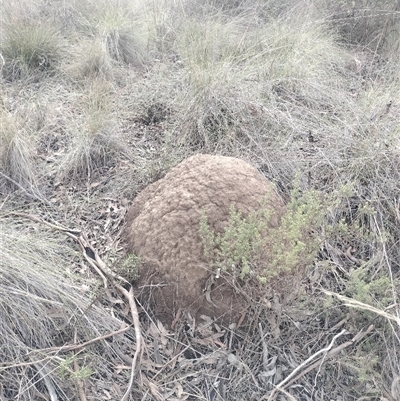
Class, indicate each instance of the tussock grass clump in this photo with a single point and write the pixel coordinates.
(29, 48)
(91, 62)
(43, 304)
(116, 28)
(16, 155)
(242, 78)
(211, 52)
(263, 10)
(95, 140)
(295, 50)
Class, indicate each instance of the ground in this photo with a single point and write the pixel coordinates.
(104, 105)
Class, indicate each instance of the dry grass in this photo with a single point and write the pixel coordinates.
(372, 25)
(112, 94)
(118, 26)
(16, 156)
(90, 61)
(258, 84)
(95, 141)
(29, 49)
(43, 308)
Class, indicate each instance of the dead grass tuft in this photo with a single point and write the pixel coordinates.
(97, 142)
(29, 49)
(223, 59)
(16, 155)
(117, 26)
(373, 25)
(44, 305)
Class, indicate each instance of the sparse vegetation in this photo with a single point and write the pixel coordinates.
(294, 245)
(68, 372)
(129, 267)
(99, 98)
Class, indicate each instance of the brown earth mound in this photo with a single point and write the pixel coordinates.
(163, 228)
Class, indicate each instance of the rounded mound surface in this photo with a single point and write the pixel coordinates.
(163, 229)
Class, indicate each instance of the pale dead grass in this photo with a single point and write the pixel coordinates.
(45, 304)
(16, 155)
(96, 141)
(118, 28)
(374, 26)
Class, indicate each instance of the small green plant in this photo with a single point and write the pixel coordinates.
(129, 266)
(296, 241)
(375, 292)
(67, 370)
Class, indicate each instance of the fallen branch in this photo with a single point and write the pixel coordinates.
(40, 220)
(81, 389)
(282, 384)
(65, 348)
(47, 381)
(352, 303)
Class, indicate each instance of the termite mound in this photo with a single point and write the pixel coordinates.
(163, 229)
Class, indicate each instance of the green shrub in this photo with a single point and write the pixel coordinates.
(371, 291)
(248, 246)
(296, 242)
(237, 246)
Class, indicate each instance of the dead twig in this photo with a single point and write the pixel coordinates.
(138, 334)
(47, 381)
(98, 262)
(38, 219)
(65, 348)
(284, 382)
(352, 303)
(296, 374)
(81, 389)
